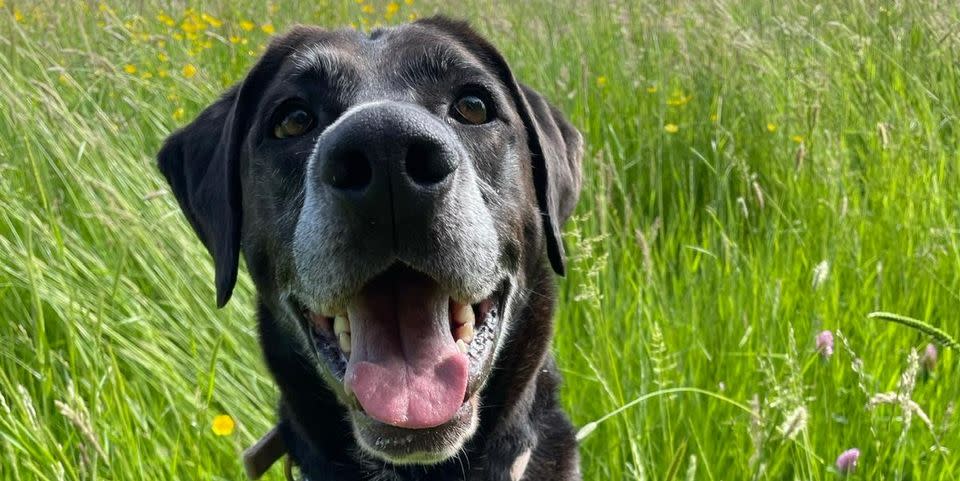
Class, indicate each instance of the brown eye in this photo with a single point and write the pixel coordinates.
(294, 124)
(470, 109)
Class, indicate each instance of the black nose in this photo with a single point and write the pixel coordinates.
(384, 149)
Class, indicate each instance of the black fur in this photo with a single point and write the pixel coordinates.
(239, 198)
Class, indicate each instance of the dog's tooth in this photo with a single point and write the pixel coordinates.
(344, 339)
(465, 333)
(341, 325)
(462, 346)
(463, 314)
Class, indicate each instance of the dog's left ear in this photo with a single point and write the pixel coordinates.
(201, 162)
(556, 147)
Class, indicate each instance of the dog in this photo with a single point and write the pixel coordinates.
(398, 198)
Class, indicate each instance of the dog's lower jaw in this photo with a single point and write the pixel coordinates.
(538, 431)
(393, 452)
(519, 409)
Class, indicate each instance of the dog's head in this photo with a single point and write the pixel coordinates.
(390, 193)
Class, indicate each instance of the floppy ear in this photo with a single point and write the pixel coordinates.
(556, 147)
(197, 163)
(556, 150)
(201, 162)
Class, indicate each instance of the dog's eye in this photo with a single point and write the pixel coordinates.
(294, 124)
(470, 109)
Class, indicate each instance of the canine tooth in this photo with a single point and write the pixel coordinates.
(341, 325)
(344, 338)
(465, 333)
(463, 314)
(462, 346)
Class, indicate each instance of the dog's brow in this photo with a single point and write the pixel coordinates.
(324, 60)
(438, 61)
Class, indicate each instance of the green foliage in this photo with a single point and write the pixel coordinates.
(755, 172)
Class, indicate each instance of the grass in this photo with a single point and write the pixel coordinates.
(756, 172)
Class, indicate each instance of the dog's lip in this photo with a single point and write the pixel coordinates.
(480, 354)
(416, 446)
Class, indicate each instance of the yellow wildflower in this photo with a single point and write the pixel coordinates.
(408, 2)
(192, 27)
(17, 16)
(165, 19)
(771, 127)
(178, 115)
(3, 4)
(797, 138)
(392, 9)
(130, 68)
(162, 57)
(671, 128)
(602, 81)
(679, 99)
(247, 25)
(223, 424)
(268, 28)
(211, 20)
(652, 89)
(412, 16)
(189, 70)
(714, 117)
(368, 8)
(163, 73)
(235, 39)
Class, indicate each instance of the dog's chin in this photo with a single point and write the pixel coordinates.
(415, 446)
(408, 361)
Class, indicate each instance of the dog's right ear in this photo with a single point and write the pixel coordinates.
(201, 163)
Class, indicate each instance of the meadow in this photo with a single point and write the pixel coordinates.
(757, 172)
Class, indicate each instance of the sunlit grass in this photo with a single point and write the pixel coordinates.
(757, 172)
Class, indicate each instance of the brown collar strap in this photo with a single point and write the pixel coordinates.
(258, 458)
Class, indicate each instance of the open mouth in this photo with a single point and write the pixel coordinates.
(406, 353)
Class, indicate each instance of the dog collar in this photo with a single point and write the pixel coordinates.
(257, 459)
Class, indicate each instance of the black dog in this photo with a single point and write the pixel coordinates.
(397, 198)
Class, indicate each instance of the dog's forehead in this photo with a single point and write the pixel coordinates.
(393, 52)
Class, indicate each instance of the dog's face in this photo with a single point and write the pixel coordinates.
(390, 194)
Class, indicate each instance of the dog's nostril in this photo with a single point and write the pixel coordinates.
(426, 164)
(348, 170)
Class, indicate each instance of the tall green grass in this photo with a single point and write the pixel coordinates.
(756, 172)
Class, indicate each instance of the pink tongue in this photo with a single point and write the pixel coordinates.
(405, 368)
